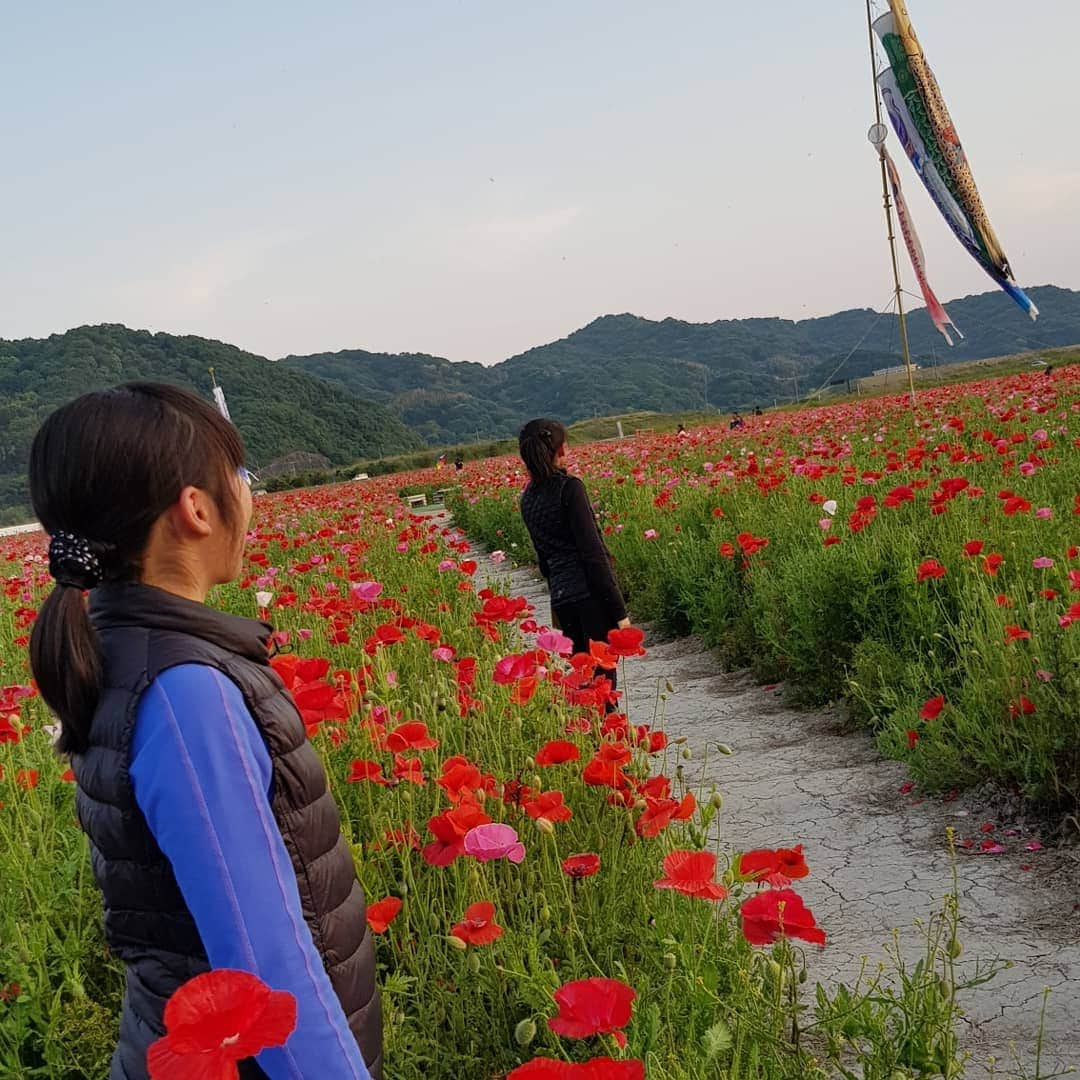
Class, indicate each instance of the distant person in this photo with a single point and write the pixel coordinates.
(682, 432)
(737, 422)
(215, 840)
(757, 411)
(459, 463)
(586, 603)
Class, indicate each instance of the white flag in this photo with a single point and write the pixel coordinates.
(219, 397)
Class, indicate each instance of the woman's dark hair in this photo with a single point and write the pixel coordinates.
(103, 469)
(538, 443)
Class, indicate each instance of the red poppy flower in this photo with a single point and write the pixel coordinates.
(973, 548)
(932, 709)
(602, 655)
(366, 770)
(992, 563)
(215, 1020)
(929, 568)
(1021, 707)
(27, 779)
(1016, 505)
(548, 806)
(557, 752)
(412, 735)
(583, 865)
(692, 873)
(601, 1068)
(1015, 633)
(382, 913)
(750, 543)
(478, 926)
(659, 813)
(449, 830)
(779, 913)
(593, 1007)
(778, 867)
(11, 730)
(459, 778)
(410, 770)
(626, 642)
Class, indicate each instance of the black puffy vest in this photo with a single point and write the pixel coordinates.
(144, 631)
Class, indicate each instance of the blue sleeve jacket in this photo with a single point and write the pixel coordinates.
(202, 778)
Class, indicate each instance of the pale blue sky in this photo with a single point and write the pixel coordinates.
(474, 177)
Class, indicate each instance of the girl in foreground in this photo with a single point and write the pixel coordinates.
(213, 837)
(586, 602)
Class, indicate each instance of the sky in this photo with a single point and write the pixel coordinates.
(471, 178)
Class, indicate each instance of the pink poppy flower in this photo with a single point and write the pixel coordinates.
(554, 642)
(486, 843)
(368, 591)
(1043, 563)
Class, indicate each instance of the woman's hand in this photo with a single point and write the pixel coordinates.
(624, 623)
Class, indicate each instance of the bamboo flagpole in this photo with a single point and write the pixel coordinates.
(878, 134)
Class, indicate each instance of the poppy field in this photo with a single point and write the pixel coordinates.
(926, 573)
(550, 898)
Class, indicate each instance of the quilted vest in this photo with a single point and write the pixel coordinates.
(143, 631)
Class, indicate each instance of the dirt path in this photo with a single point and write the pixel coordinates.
(877, 853)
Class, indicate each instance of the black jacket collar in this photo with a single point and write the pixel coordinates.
(144, 605)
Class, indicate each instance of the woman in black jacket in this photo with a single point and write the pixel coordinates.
(586, 602)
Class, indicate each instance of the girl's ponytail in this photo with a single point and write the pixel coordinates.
(66, 661)
(539, 443)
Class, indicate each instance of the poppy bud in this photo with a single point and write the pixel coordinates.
(545, 826)
(670, 960)
(955, 948)
(480, 795)
(680, 773)
(525, 1032)
(802, 976)
(457, 943)
(716, 800)
(530, 763)
(403, 888)
(724, 749)
(680, 741)
(640, 804)
(537, 782)
(545, 914)
(668, 687)
(775, 970)
(944, 989)
(687, 753)
(474, 963)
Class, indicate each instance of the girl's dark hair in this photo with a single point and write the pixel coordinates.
(103, 469)
(538, 443)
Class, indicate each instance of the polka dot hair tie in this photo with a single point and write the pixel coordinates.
(73, 562)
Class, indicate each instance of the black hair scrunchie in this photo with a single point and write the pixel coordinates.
(73, 561)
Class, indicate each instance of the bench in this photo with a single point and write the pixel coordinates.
(416, 500)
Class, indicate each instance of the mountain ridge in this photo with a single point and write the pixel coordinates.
(625, 362)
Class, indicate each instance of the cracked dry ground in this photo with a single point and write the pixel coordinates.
(878, 858)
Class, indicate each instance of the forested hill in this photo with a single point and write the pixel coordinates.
(622, 363)
(277, 410)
